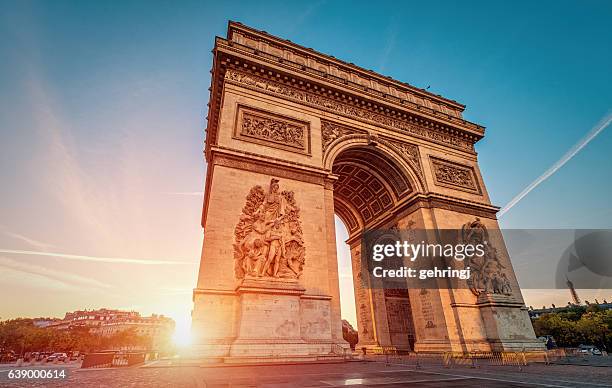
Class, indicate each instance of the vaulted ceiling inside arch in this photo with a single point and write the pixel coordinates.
(368, 185)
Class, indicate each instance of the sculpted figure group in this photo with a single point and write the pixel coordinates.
(488, 275)
(275, 130)
(268, 237)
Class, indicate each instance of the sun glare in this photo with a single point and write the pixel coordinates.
(182, 333)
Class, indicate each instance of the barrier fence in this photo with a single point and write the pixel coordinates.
(108, 360)
(474, 359)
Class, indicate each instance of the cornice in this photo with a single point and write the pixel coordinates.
(386, 107)
(237, 28)
(344, 88)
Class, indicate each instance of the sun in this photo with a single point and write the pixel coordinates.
(182, 334)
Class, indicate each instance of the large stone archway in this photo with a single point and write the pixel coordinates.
(294, 137)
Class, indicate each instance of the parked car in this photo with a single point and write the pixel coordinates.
(590, 350)
(57, 357)
(9, 356)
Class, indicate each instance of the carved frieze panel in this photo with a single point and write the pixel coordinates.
(273, 130)
(454, 175)
(330, 104)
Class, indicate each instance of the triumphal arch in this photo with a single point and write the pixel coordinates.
(295, 137)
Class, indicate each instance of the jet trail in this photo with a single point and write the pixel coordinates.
(596, 130)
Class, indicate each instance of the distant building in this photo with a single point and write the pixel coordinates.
(108, 322)
(153, 326)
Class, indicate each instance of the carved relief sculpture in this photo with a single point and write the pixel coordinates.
(268, 237)
(273, 130)
(487, 273)
(411, 152)
(330, 132)
(454, 175)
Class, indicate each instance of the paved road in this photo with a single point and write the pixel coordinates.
(358, 374)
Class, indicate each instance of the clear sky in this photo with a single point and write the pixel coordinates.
(102, 117)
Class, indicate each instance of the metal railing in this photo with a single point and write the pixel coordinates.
(474, 359)
(341, 351)
(108, 360)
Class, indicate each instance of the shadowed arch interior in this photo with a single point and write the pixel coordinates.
(369, 183)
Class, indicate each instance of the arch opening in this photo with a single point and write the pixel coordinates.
(370, 183)
(345, 274)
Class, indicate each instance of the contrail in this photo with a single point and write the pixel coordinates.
(596, 130)
(30, 241)
(95, 258)
(68, 279)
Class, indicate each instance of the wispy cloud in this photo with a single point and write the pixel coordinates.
(308, 12)
(393, 31)
(114, 260)
(596, 130)
(30, 241)
(53, 277)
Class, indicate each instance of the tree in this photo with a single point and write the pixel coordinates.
(20, 335)
(349, 334)
(577, 326)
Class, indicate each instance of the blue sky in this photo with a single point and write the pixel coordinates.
(102, 116)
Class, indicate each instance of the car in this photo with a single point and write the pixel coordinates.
(590, 350)
(8, 357)
(57, 357)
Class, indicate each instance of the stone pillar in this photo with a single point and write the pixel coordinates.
(431, 324)
(490, 320)
(268, 285)
(371, 309)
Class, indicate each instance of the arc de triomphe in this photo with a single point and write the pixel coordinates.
(295, 136)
